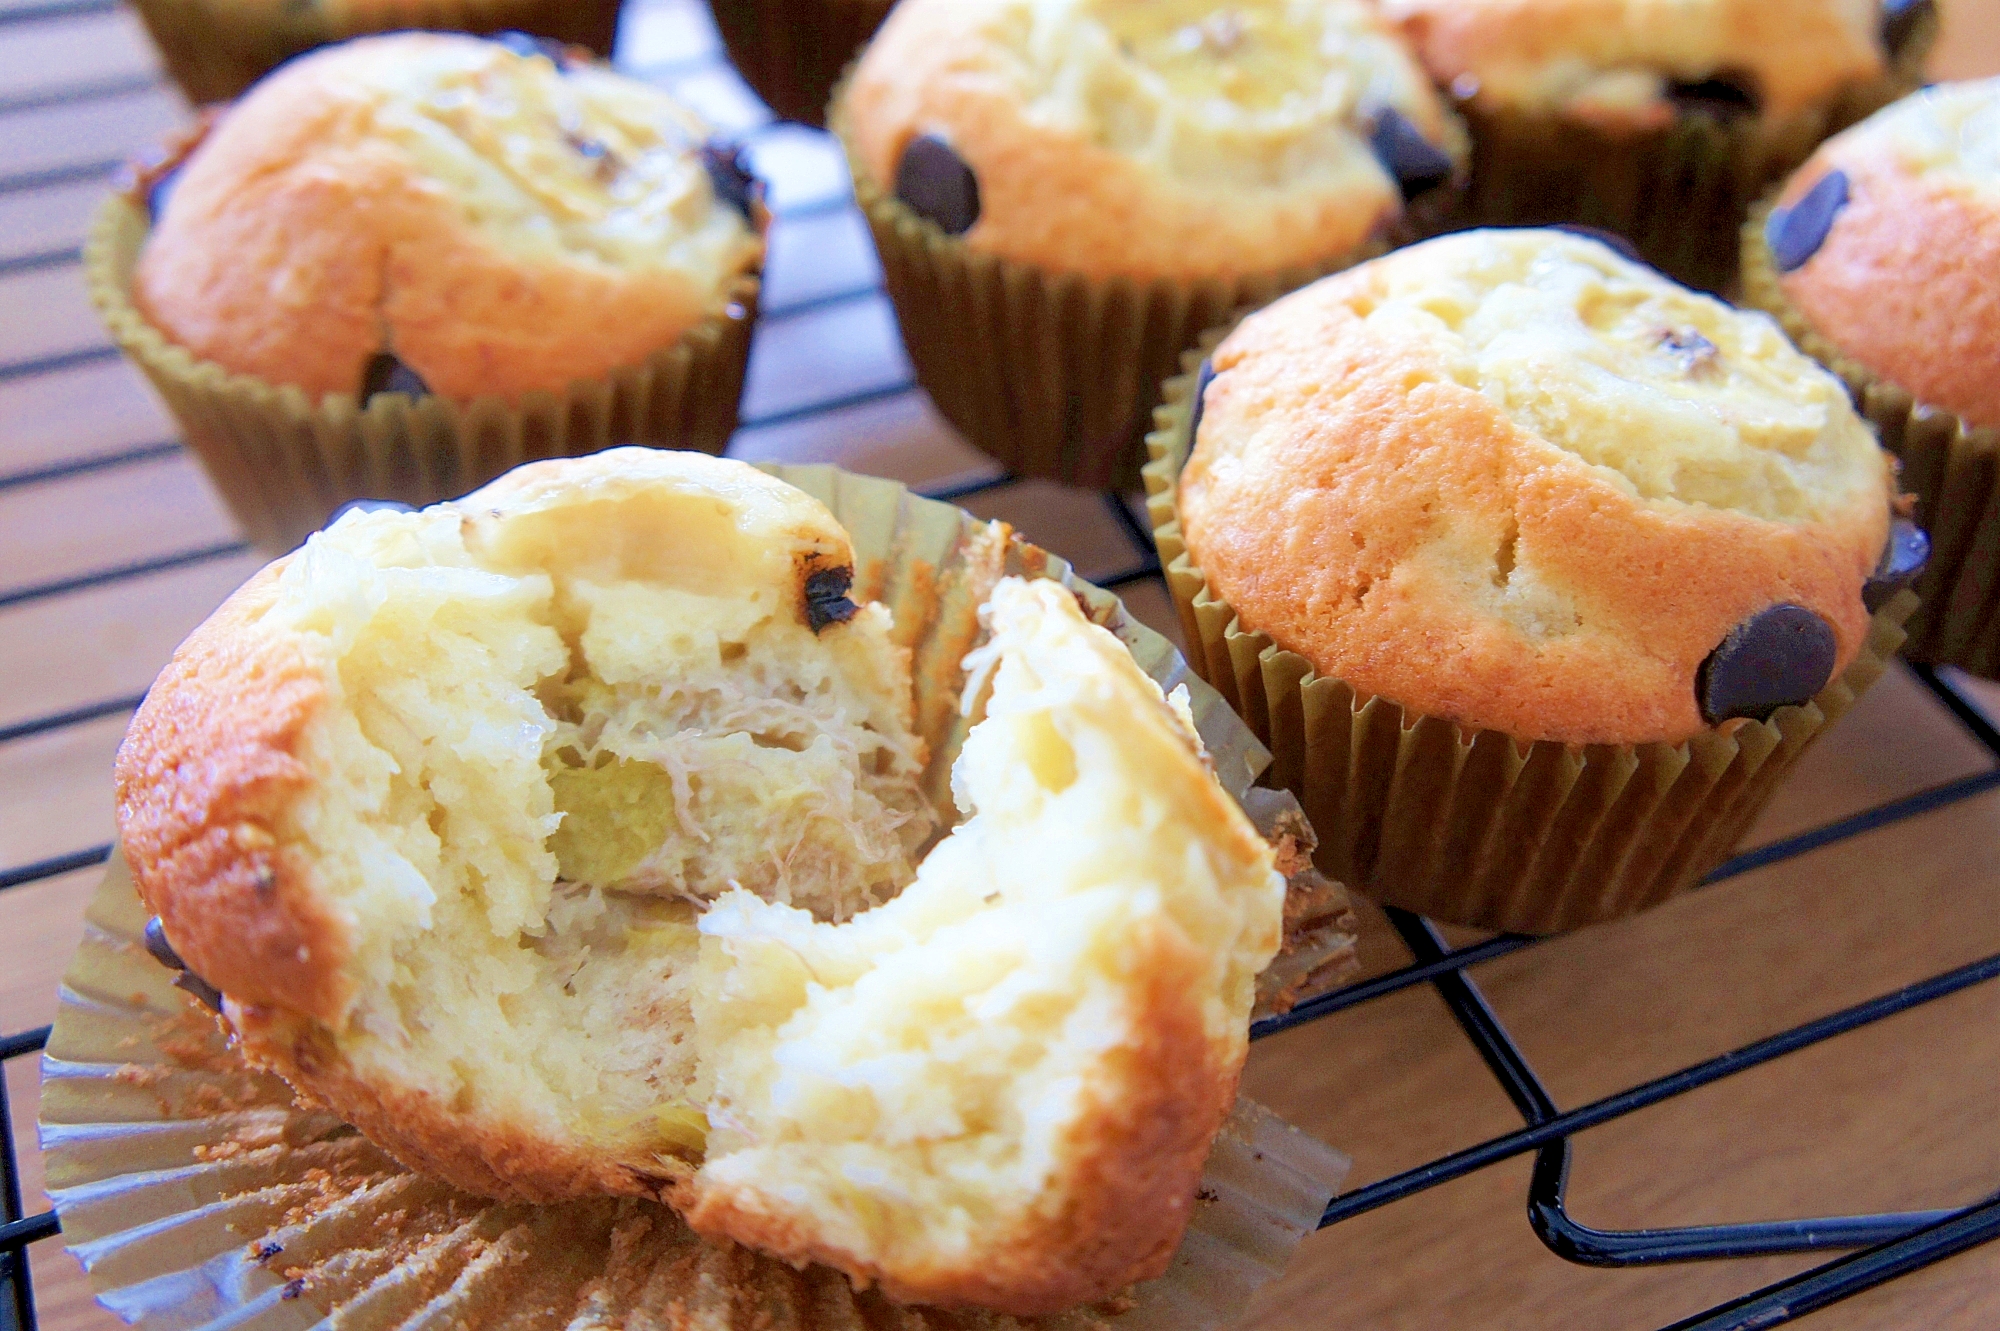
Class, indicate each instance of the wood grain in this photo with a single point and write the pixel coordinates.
(1899, 1115)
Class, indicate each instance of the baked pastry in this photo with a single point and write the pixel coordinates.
(1518, 485)
(523, 832)
(214, 49)
(436, 214)
(1064, 195)
(1881, 257)
(793, 52)
(1660, 122)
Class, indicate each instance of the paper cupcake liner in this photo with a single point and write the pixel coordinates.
(793, 52)
(1678, 194)
(1474, 826)
(284, 463)
(1952, 467)
(198, 1195)
(1055, 375)
(214, 49)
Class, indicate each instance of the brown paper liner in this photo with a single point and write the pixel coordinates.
(792, 52)
(1952, 467)
(1679, 194)
(214, 49)
(1474, 826)
(198, 1194)
(1056, 375)
(284, 463)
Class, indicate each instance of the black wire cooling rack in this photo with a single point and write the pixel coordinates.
(1878, 1248)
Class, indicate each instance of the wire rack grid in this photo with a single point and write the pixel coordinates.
(1877, 1248)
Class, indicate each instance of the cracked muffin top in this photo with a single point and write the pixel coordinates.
(1149, 138)
(1516, 480)
(1888, 242)
(445, 213)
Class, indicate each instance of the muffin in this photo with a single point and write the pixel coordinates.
(1882, 259)
(546, 836)
(1660, 122)
(216, 48)
(1535, 570)
(1065, 194)
(792, 52)
(404, 264)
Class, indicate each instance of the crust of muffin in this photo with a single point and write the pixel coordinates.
(1134, 1160)
(248, 275)
(1342, 485)
(1799, 52)
(203, 774)
(1907, 281)
(1063, 202)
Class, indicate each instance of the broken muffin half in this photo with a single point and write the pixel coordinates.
(570, 838)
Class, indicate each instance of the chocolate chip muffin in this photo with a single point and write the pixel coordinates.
(1536, 568)
(793, 52)
(217, 48)
(1881, 256)
(1065, 194)
(1660, 122)
(426, 256)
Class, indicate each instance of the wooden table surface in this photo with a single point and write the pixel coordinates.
(112, 546)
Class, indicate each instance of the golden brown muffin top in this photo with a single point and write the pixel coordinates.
(1513, 479)
(1888, 241)
(1621, 62)
(498, 222)
(1154, 138)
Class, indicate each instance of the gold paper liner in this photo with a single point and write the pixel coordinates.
(1952, 467)
(1473, 826)
(214, 49)
(284, 463)
(1056, 375)
(793, 52)
(198, 1195)
(1679, 194)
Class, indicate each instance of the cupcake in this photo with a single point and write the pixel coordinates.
(1882, 259)
(1535, 570)
(1065, 194)
(792, 52)
(216, 48)
(1660, 122)
(565, 840)
(402, 265)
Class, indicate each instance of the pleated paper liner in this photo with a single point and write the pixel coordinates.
(793, 52)
(284, 463)
(1473, 826)
(1952, 467)
(1055, 375)
(1679, 194)
(214, 49)
(198, 1195)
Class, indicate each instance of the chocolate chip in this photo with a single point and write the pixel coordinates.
(729, 171)
(826, 597)
(527, 46)
(936, 183)
(1415, 162)
(162, 193)
(1199, 404)
(1796, 233)
(1903, 560)
(385, 374)
(1723, 97)
(1689, 347)
(368, 506)
(162, 951)
(1779, 657)
(1607, 238)
(1900, 21)
(205, 993)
